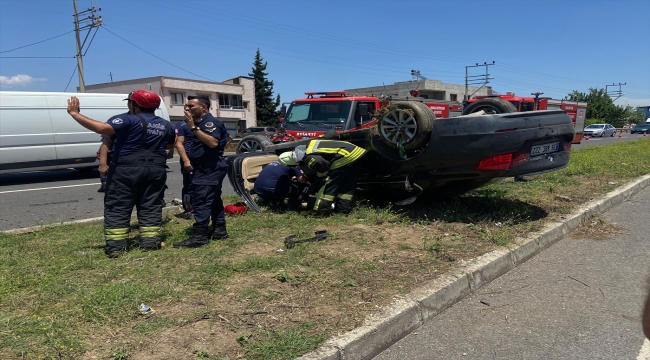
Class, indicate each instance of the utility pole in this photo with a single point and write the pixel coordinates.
(89, 22)
(111, 75)
(618, 93)
(481, 80)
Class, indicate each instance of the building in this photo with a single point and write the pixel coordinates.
(426, 88)
(232, 101)
(646, 112)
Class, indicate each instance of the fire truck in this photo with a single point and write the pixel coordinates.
(500, 103)
(319, 112)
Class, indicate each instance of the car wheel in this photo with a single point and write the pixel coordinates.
(490, 106)
(408, 124)
(253, 143)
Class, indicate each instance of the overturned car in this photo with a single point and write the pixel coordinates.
(412, 155)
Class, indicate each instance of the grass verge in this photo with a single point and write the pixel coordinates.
(248, 297)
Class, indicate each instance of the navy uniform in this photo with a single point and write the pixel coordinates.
(188, 189)
(336, 165)
(136, 177)
(274, 183)
(210, 169)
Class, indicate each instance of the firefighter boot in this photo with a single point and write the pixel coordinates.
(115, 249)
(343, 207)
(197, 239)
(150, 238)
(218, 232)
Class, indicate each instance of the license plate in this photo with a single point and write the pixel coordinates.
(544, 149)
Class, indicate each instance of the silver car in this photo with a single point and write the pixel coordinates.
(600, 130)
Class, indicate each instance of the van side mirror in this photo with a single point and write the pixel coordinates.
(362, 110)
(283, 111)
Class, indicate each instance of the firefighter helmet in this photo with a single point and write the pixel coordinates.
(145, 99)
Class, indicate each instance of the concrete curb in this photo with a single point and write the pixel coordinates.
(95, 220)
(409, 312)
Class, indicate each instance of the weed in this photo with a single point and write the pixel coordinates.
(121, 354)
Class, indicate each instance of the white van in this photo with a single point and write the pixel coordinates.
(37, 133)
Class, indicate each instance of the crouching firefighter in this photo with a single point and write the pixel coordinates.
(137, 174)
(277, 182)
(337, 168)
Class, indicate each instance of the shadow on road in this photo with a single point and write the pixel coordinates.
(37, 177)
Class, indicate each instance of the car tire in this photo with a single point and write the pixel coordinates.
(253, 143)
(490, 106)
(400, 127)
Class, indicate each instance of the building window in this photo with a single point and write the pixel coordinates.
(453, 97)
(177, 99)
(231, 101)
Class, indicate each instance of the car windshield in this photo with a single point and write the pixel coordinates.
(595, 127)
(335, 112)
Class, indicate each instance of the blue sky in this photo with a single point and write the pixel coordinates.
(550, 46)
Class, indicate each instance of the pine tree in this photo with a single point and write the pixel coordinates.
(267, 108)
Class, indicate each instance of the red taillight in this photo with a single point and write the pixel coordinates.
(498, 162)
(519, 158)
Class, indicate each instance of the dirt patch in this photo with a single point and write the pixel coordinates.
(595, 228)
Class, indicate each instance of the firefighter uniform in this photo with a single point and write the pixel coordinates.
(337, 167)
(136, 177)
(274, 183)
(187, 189)
(210, 169)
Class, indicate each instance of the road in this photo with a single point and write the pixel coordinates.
(41, 197)
(30, 199)
(580, 299)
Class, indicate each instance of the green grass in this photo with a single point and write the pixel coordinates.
(58, 290)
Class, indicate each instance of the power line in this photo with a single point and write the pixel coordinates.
(157, 57)
(24, 46)
(71, 76)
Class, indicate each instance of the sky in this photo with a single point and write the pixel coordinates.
(549, 46)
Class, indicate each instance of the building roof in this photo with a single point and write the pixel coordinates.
(157, 78)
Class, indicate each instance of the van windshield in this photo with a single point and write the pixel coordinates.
(335, 112)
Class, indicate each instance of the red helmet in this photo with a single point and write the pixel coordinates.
(145, 99)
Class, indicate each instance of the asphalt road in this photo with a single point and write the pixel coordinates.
(42, 197)
(580, 299)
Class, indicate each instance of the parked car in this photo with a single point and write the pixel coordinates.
(459, 154)
(599, 130)
(266, 130)
(641, 128)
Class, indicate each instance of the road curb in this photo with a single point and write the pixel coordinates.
(95, 220)
(411, 311)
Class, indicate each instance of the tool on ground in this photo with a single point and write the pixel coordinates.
(290, 241)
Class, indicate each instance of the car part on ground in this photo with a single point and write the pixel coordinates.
(290, 241)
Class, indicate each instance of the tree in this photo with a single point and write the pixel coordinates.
(267, 108)
(600, 107)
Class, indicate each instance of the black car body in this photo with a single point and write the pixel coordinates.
(462, 153)
(640, 128)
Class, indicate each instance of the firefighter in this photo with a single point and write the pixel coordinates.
(282, 135)
(137, 174)
(209, 170)
(183, 146)
(104, 155)
(337, 167)
(277, 182)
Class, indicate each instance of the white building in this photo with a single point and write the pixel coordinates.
(426, 89)
(232, 101)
